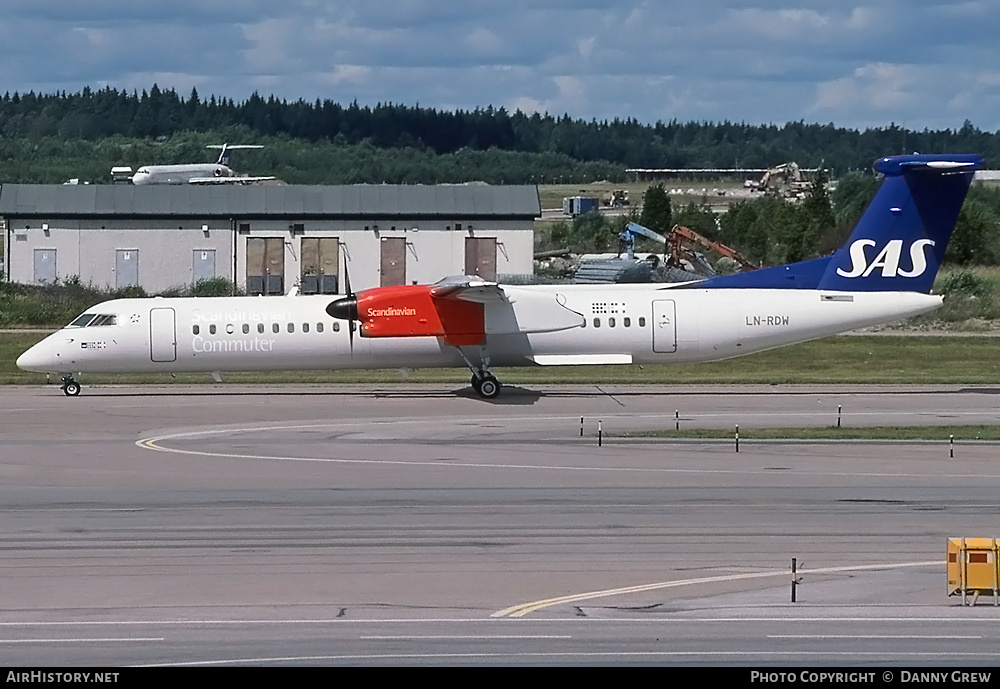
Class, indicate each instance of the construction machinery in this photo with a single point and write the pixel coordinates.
(679, 241)
(680, 262)
(617, 199)
(680, 236)
(785, 180)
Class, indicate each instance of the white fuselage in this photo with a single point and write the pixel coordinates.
(179, 174)
(641, 324)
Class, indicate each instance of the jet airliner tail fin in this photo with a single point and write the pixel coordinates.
(898, 243)
(226, 151)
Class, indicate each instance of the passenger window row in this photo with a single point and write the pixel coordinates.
(612, 322)
(261, 328)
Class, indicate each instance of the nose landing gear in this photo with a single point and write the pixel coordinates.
(69, 386)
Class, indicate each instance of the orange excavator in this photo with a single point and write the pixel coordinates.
(679, 235)
(679, 240)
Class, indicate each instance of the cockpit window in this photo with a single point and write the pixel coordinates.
(90, 320)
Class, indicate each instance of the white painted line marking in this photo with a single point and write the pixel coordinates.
(81, 640)
(416, 637)
(597, 654)
(961, 616)
(866, 636)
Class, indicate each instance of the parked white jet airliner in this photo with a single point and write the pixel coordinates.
(218, 172)
(883, 273)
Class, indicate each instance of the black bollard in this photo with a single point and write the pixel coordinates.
(795, 582)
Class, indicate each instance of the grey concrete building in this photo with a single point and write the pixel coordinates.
(267, 238)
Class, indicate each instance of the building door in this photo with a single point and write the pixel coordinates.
(393, 261)
(126, 268)
(664, 326)
(45, 266)
(202, 265)
(320, 265)
(481, 257)
(162, 335)
(265, 265)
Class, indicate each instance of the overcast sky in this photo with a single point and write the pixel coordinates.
(856, 63)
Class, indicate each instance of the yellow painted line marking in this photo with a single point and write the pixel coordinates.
(526, 608)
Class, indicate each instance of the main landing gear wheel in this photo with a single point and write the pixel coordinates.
(483, 382)
(70, 388)
(489, 387)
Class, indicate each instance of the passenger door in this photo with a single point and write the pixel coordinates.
(664, 326)
(162, 335)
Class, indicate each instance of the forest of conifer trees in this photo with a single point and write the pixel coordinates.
(51, 137)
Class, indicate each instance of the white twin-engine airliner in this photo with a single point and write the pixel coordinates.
(883, 273)
(218, 172)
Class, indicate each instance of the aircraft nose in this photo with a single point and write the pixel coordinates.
(35, 359)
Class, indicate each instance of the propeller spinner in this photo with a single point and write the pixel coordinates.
(346, 308)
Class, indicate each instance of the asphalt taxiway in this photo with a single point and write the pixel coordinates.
(424, 526)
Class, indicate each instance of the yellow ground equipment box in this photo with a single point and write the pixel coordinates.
(974, 568)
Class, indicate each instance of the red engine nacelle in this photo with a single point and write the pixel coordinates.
(411, 311)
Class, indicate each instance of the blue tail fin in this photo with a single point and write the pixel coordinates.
(224, 155)
(898, 243)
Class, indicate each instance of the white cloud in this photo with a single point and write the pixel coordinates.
(482, 41)
(527, 105)
(347, 74)
(878, 86)
(781, 23)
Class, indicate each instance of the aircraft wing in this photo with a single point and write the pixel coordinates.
(510, 311)
(469, 288)
(228, 180)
